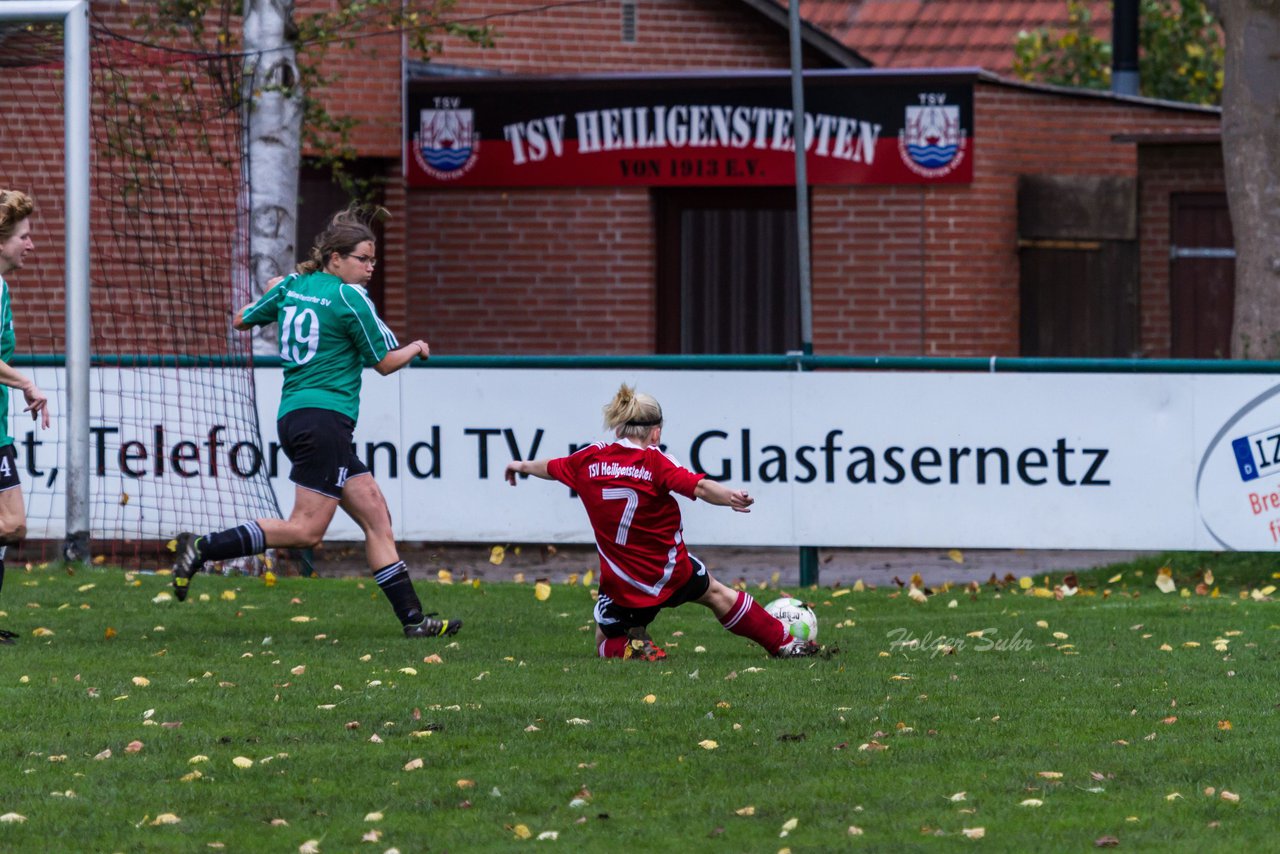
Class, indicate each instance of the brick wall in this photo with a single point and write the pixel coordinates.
(531, 271)
(934, 271)
(896, 270)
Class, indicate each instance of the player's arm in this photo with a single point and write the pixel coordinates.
(398, 358)
(537, 468)
(714, 492)
(262, 310)
(37, 403)
(239, 322)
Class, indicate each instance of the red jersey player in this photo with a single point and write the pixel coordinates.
(628, 488)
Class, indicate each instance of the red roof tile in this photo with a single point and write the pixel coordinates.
(942, 33)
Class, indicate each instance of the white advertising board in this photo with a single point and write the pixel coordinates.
(897, 459)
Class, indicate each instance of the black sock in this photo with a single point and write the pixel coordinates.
(240, 541)
(1, 573)
(394, 581)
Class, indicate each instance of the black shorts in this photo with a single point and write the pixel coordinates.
(9, 468)
(318, 443)
(614, 620)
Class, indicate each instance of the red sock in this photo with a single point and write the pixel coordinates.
(613, 647)
(748, 619)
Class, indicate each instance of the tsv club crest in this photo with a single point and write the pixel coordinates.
(932, 142)
(446, 145)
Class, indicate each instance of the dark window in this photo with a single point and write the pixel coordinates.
(1202, 276)
(1078, 262)
(727, 271)
(1079, 298)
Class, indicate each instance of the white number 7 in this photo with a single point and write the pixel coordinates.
(632, 498)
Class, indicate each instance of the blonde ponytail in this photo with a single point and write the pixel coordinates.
(632, 414)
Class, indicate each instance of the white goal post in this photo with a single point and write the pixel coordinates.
(74, 17)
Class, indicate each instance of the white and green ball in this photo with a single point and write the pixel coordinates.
(798, 617)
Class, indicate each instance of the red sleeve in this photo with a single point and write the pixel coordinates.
(563, 470)
(568, 469)
(675, 478)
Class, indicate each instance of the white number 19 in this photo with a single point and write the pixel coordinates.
(303, 327)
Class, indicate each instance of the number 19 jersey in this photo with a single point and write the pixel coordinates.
(329, 333)
(627, 492)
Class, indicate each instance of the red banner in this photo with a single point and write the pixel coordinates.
(860, 128)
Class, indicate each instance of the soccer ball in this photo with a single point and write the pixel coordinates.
(799, 619)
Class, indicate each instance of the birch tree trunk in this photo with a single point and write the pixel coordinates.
(273, 132)
(1251, 157)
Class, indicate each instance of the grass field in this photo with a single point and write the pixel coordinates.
(1137, 716)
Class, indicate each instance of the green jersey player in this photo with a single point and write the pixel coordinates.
(15, 245)
(329, 332)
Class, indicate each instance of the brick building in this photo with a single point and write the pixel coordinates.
(1057, 241)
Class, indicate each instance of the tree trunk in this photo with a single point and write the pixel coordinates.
(273, 131)
(1251, 156)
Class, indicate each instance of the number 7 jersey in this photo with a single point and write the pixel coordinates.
(329, 333)
(627, 492)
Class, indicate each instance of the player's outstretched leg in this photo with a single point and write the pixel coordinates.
(186, 564)
(431, 627)
(738, 612)
(796, 648)
(194, 552)
(395, 583)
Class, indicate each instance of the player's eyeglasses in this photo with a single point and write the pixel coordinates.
(364, 259)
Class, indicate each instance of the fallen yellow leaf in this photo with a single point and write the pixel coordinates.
(708, 744)
(242, 762)
(745, 811)
(496, 555)
(542, 591)
(165, 818)
(413, 764)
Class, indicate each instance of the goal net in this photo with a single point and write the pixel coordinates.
(174, 439)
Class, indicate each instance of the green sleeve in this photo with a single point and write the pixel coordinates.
(267, 307)
(372, 338)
